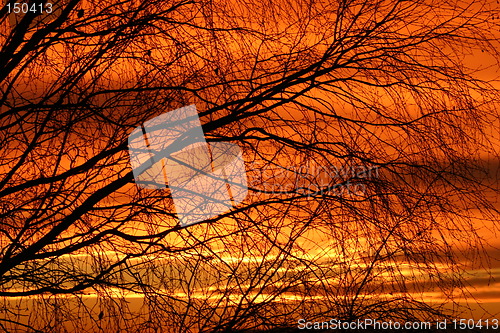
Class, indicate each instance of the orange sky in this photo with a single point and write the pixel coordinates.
(314, 245)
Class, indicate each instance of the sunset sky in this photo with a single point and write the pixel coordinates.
(368, 131)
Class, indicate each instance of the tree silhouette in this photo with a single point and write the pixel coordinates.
(363, 125)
